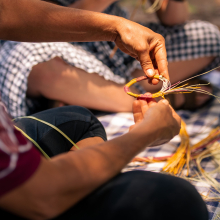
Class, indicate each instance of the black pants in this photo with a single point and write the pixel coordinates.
(138, 195)
(76, 122)
(134, 195)
(141, 195)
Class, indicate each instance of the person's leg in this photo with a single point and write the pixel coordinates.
(78, 123)
(141, 195)
(138, 195)
(57, 80)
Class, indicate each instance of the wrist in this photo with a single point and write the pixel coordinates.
(144, 134)
(115, 23)
(102, 27)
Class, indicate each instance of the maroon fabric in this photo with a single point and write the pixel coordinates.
(18, 158)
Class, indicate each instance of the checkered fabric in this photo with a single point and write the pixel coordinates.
(189, 41)
(199, 124)
(17, 60)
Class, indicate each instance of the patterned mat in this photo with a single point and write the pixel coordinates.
(199, 124)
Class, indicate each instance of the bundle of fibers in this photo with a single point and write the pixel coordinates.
(184, 153)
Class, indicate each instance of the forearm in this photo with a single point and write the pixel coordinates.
(87, 169)
(63, 181)
(173, 12)
(92, 5)
(22, 21)
(72, 176)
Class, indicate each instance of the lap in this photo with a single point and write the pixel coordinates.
(140, 195)
(76, 122)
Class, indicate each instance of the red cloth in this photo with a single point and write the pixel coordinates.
(18, 158)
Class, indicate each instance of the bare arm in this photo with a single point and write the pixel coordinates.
(173, 12)
(34, 20)
(62, 182)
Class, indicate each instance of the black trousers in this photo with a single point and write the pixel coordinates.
(138, 195)
(76, 122)
(141, 195)
(133, 195)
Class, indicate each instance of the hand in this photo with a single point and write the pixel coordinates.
(145, 45)
(157, 118)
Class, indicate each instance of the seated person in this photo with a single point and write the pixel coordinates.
(59, 71)
(87, 183)
(70, 185)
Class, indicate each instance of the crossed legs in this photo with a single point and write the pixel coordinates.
(141, 195)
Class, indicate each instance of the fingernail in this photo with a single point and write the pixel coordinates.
(150, 72)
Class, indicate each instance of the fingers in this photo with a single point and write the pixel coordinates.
(140, 107)
(155, 58)
(137, 111)
(158, 56)
(152, 102)
(175, 115)
(161, 56)
(146, 104)
(154, 81)
(146, 63)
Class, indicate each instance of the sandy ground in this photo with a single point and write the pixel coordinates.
(207, 10)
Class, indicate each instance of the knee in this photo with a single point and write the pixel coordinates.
(95, 128)
(156, 196)
(46, 72)
(47, 75)
(78, 110)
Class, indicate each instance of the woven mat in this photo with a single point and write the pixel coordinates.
(199, 124)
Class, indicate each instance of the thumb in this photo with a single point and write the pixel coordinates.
(146, 64)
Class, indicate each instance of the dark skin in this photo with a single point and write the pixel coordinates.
(36, 21)
(67, 178)
(61, 182)
(102, 92)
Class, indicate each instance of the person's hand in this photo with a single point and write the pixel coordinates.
(145, 45)
(157, 118)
